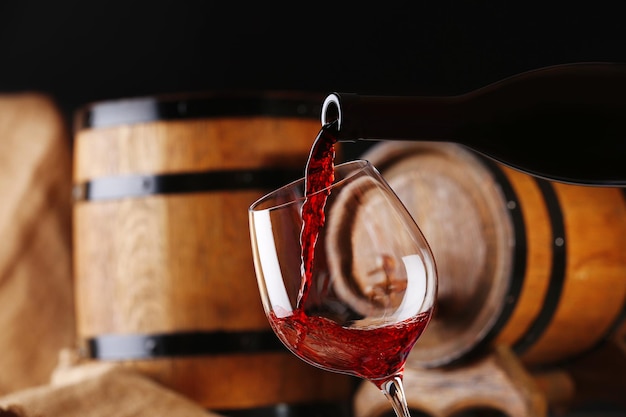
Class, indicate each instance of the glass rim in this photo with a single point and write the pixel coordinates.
(361, 165)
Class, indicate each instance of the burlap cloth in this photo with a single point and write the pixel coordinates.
(98, 389)
(36, 293)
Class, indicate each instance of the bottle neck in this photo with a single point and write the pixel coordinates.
(363, 117)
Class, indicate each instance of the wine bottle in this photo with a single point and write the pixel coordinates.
(564, 123)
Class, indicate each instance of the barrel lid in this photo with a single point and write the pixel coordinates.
(459, 205)
(197, 105)
(367, 264)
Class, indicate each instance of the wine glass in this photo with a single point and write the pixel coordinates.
(372, 282)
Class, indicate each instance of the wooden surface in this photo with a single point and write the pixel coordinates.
(36, 292)
(600, 376)
(497, 381)
(183, 262)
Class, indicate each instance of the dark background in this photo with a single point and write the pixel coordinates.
(84, 51)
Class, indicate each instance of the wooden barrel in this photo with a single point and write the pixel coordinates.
(532, 264)
(163, 265)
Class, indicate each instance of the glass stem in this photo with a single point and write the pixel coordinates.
(394, 391)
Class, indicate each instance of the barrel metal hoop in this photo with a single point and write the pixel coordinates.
(150, 346)
(557, 273)
(133, 186)
(317, 409)
(518, 261)
(150, 109)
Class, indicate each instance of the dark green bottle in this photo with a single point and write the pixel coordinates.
(564, 123)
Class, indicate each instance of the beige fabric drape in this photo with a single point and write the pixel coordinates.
(36, 293)
(99, 389)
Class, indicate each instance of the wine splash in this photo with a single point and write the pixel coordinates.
(319, 176)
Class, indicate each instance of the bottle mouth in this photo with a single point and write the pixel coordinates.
(331, 110)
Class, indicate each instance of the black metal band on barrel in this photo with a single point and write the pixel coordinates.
(518, 267)
(557, 273)
(337, 409)
(129, 186)
(147, 346)
(198, 106)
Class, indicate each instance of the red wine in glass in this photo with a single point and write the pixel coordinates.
(369, 353)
